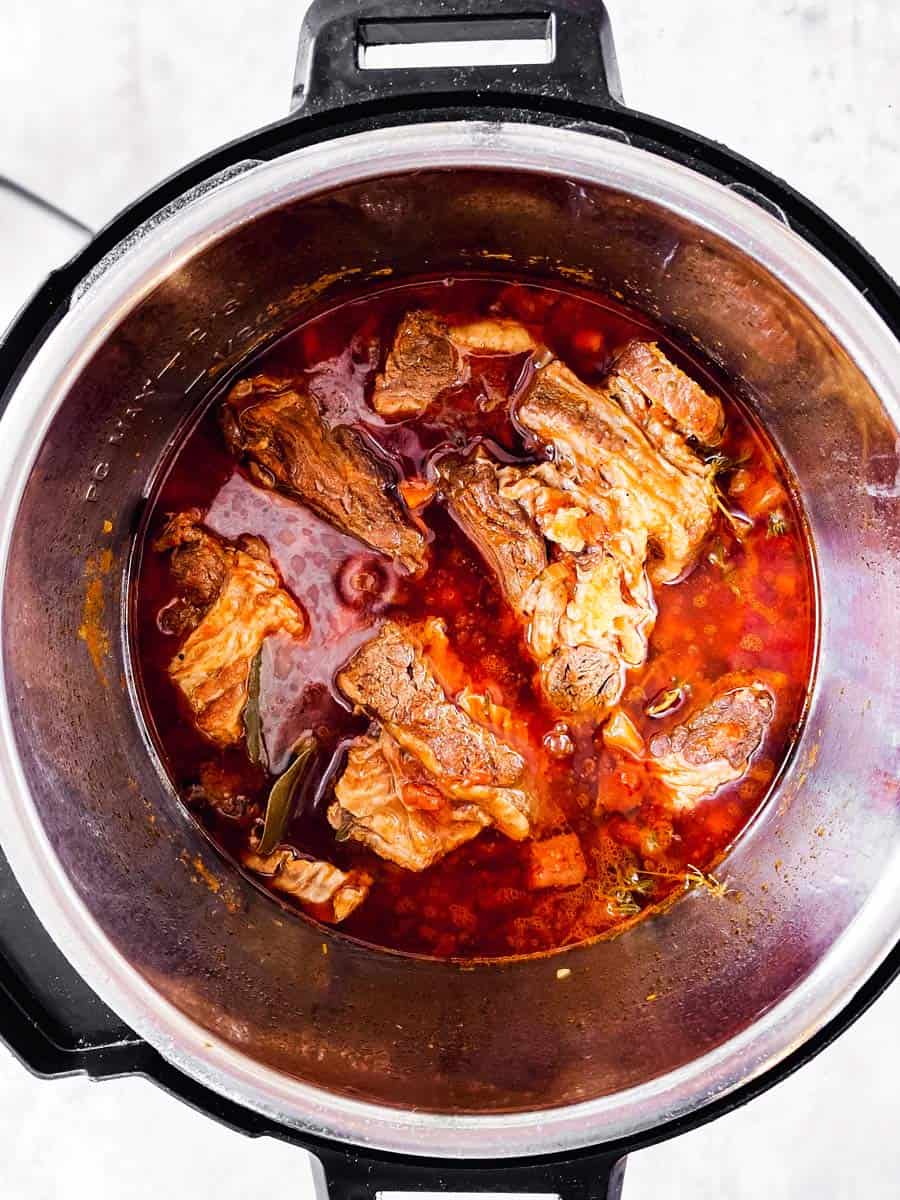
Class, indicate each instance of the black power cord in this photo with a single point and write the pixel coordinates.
(46, 206)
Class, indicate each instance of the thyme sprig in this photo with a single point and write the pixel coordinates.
(693, 878)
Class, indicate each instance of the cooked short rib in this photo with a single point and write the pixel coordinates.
(421, 364)
(311, 880)
(428, 356)
(667, 390)
(392, 680)
(387, 801)
(612, 463)
(588, 615)
(232, 601)
(714, 745)
(198, 567)
(278, 429)
(508, 541)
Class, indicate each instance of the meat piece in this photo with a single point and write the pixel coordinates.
(290, 447)
(666, 387)
(178, 617)
(508, 541)
(212, 667)
(392, 680)
(563, 513)
(556, 862)
(611, 605)
(582, 679)
(590, 619)
(592, 611)
(422, 363)
(428, 356)
(385, 800)
(576, 676)
(221, 790)
(198, 569)
(587, 615)
(714, 745)
(614, 466)
(493, 335)
(311, 880)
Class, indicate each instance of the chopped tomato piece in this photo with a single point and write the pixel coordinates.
(417, 492)
(556, 862)
(758, 494)
(621, 733)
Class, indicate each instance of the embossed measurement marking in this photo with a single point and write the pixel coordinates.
(176, 363)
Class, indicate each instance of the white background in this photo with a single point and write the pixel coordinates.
(101, 98)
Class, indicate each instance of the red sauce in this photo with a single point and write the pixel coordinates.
(747, 606)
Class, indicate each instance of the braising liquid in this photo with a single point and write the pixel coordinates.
(746, 606)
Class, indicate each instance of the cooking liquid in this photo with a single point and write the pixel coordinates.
(746, 606)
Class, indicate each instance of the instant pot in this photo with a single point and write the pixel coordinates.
(128, 944)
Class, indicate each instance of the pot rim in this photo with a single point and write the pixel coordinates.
(124, 277)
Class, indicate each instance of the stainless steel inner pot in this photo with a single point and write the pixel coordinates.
(289, 1018)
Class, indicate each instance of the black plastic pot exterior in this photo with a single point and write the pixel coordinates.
(53, 1022)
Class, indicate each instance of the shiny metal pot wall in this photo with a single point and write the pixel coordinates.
(296, 1021)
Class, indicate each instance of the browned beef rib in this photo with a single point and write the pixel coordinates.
(428, 356)
(279, 430)
(508, 541)
(613, 465)
(714, 745)
(668, 390)
(243, 603)
(198, 567)
(311, 880)
(387, 801)
(587, 615)
(392, 680)
(421, 364)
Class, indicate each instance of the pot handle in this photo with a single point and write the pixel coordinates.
(565, 46)
(52, 1022)
(353, 1175)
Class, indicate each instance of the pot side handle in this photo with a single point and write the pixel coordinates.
(341, 40)
(52, 1022)
(357, 1175)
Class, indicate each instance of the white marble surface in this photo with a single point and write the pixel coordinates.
(99, 99)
